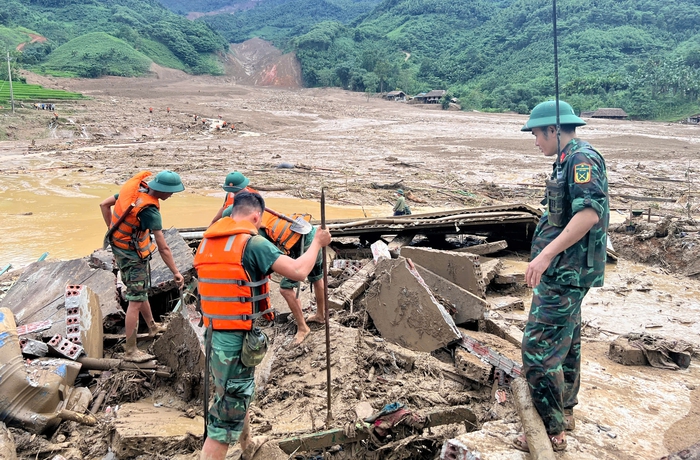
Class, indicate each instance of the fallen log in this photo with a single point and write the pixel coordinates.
(330, 438)
(533, 427)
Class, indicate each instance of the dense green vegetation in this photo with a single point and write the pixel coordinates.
(95, 54)
(145, 25)
(641, 55)
(281, 20)
(29, 93)
(182, 7)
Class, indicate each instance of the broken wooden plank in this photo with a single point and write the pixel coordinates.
(469, 307)
(405, 311)
(313, 441)
(462, 269)
(533, 427)
(484, 248)
(352, 288)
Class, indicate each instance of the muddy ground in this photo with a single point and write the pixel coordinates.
(351, 144)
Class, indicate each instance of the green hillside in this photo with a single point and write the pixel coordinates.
(281, 20)
(183, 7)
(96, 54)
(145, 25)
(642, 55)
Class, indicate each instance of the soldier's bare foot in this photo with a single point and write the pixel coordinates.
(315, 319)
(300, 336)
(253, 446)
(155, 329)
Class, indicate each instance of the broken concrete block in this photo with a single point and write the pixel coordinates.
(352, 288)
(39, 293)
(84, 319)
(64, 348)
(490, 268)
(512, 272)
(181, 348)
(33, 348)
(503, 330)
(405, 311)
(623, 352)
(102, 259)
(484, 248)
(161, 276)
(494, 350)
(463, 269)
(469, 307)
(472, 367)
(505, 303)
(142, 429)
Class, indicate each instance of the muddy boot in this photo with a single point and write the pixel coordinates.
(155, 329)
(132, 352)
(569, 420)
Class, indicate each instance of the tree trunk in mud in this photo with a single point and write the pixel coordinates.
(537, 439)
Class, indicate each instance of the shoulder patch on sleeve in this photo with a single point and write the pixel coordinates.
(582, 173)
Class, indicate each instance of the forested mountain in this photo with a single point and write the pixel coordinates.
(642, 55)
(124, 36)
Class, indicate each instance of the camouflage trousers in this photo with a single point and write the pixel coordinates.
(136, 274)
(234, 386)
(552, 351)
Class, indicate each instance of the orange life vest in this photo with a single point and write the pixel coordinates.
(228, 200)
(279, 230)
(133, 198)
(225, 287)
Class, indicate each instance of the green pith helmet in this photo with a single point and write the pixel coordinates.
(235, 182)
(166, 182)
(545, 114)
(400, 192)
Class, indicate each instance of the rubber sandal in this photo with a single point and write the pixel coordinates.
(521, 444)
(557, 446)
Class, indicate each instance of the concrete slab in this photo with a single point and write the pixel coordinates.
(405, 311)
(469, 307)
(39, 293)
(505, 303)
(490, 268)
(161, 276)
(143, 429)
(463, 269)
(500, 328)
(485, 248)
(623, 352)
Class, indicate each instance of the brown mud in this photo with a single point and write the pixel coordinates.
(353, 146)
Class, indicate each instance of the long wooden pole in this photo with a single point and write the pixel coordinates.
(533, 427)
(329, 415)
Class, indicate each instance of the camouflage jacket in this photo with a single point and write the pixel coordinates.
(582, 264)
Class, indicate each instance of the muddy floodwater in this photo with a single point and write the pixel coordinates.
(61, 215)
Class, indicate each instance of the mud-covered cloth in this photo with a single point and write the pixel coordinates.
(582, 264)
(662, 353)
(316, 272)
(551, 351)
(135, 273)
(234, 384)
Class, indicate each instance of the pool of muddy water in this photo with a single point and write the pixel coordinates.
(61, 215)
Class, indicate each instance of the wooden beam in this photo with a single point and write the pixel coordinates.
(352, 288)
(399, 241)
(330, 438)
(537, 439)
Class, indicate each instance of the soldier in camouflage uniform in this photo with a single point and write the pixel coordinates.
(568, 258)
(228, 419)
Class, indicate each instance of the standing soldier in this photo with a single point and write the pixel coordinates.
(234, 183)
(401, 208)
(131, 217)
(233, 263)
(568, 258)
(150, 109)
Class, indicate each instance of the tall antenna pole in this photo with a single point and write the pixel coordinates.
(9, 77)
(556, 83)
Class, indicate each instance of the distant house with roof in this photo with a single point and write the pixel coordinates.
(610, 114)
(395, 96)
(434, 96)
